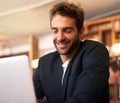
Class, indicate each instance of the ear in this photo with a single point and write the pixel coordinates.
(81, 33)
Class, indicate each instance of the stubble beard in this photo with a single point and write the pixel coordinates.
(70, 49)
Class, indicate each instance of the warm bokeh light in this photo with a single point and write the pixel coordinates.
(116, 49)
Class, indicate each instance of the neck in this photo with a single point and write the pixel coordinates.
(65, 58)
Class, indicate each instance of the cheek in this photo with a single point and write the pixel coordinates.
(53, 38)
(70, 36)
(74, 37)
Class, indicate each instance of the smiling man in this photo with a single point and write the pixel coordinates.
(65, 36)
(78, 71)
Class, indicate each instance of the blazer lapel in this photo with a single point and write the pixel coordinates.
(65, 81)
(57, 76)
(73, 70)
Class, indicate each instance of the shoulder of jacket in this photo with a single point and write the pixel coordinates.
(51, 55)
(91, 43)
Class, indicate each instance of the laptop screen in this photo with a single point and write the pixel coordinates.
(16, 84)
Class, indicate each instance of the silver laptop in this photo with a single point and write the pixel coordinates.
(16, 84)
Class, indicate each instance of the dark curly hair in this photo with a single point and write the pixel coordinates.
(72, 10)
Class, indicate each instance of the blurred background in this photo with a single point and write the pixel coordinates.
(24, 29)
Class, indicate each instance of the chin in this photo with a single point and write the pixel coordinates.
(63, 52)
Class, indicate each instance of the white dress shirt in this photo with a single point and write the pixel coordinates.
(65, 65)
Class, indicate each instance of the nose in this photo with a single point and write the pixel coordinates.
(60, 36)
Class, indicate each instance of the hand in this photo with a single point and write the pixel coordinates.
(39, 101)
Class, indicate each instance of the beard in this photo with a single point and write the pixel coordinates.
(71, 46)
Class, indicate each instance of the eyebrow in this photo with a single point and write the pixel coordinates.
(68, 28)
(53, 28)
(63, 28)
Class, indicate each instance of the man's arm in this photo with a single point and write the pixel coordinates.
(37, 86)
(91, 85)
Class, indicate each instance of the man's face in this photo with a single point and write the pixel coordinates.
(65, 34)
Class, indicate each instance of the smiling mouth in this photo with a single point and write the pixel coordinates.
(62, 45)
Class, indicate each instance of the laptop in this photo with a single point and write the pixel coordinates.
(16, 85)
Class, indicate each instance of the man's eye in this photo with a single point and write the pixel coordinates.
(68, 31)
(54, 31)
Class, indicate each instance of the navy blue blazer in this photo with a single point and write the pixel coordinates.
(85, 81)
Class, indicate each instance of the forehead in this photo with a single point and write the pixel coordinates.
(61, 21)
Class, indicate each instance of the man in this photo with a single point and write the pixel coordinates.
(114, 70)
(78, 71)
